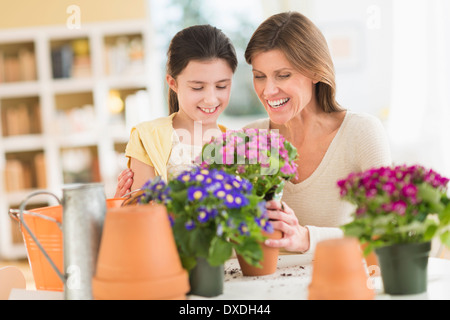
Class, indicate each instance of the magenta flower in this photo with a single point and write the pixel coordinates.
(399, 207)
(409, 191)
(389, 187)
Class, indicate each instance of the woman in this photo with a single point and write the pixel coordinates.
(294, 78)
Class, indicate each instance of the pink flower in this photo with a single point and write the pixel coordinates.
(399, 207)
(370, 193)
(409, 191)
(389, 187)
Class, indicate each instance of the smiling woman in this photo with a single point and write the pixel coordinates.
(295, 81)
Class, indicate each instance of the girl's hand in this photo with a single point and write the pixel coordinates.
(295, 237)
(125, 181)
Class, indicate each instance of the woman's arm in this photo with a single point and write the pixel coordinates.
(295, 237)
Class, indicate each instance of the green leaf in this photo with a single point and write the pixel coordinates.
(445, 238)
(430, 232)
(219, 251)
(428, 193)
(199, 241)
(444, 216)
(251, 251)
(188, 262)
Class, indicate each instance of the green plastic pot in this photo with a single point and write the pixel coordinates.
(404, 267)
(206, 280)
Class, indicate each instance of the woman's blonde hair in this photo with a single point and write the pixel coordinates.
(304, 46)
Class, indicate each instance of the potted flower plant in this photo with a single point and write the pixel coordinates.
(264, 157)
(212, 213)
(399, 210)
(267, 160)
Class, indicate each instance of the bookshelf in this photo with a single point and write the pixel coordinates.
(68, 98)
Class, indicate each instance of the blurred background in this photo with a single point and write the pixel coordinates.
(75, 75)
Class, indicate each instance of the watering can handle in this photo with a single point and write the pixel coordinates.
(22, 221)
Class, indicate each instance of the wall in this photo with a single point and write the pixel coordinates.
(364, 77)
(28, 13)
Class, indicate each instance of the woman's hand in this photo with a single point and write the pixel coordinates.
(295, 237)
(125, 181)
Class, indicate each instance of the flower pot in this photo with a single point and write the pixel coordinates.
(371, 258)
(268, 262)
(206, 280)
(338, 272)
(404, 267)
(138, 258)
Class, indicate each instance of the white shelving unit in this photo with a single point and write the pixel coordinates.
(101, 134)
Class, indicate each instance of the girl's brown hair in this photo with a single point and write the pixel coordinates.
(304, 46)
(201, 42)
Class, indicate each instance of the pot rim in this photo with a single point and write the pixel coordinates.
(399, 248)
(142, 289)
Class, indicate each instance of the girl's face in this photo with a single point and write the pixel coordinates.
(203, 89)
(283, 90)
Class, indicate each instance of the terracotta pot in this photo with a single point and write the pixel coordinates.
(138, 258)
(114, 202)
(269, 261)
(339, 272)
(371, 258)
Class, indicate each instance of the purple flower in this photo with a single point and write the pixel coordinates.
(243, 229)
(196, 194)
(203, 215)
(264, 224)
(189, 225)
(235, 200)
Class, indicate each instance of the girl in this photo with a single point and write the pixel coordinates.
(200, 66)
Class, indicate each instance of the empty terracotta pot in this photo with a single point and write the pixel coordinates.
(138, 258)
(339, 272)
(269, 261)
(114, 202)
(371, 258)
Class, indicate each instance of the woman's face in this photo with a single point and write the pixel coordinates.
(283, 90)
(203, 89)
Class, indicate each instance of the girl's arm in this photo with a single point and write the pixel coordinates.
(141, 173)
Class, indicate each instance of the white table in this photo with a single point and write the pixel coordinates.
(293, 275)
(289, 282)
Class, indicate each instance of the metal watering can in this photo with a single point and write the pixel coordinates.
(84, 209)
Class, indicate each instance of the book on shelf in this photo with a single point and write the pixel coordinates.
(41, 174)
(21, 119)
(62, 58)
(27, 173)
(18, 67)
(2, 67)
(27, 63)
(14, 175)
(12, 68)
